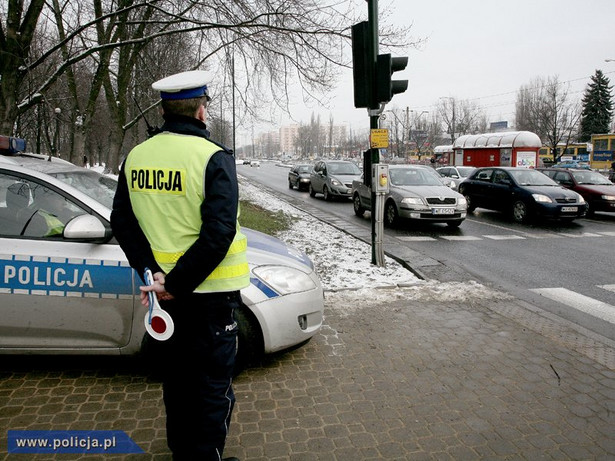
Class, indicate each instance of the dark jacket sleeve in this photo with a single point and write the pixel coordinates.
(219, 216)
(127, 231)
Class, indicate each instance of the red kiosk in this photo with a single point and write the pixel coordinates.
(509, 148)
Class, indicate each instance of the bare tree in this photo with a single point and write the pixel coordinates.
(461, 117)
(544, 106)
(116, 49)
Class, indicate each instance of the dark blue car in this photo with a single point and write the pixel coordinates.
(522, 192)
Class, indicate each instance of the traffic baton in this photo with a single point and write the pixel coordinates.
(158, 322)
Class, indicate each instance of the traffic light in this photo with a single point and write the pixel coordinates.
(362, 64)
(385, 87)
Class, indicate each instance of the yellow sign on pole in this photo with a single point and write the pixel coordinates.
(379, 138)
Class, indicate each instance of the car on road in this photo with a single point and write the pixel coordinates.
(524, 193)
(596, 189)
(415, 193)
(299, 176)
(71, 289)
(455, 173)
(333, 178)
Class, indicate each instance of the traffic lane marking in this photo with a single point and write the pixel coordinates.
(579, 302)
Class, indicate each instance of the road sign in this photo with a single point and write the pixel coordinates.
(379, 138)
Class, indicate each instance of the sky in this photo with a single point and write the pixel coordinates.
(484, 51)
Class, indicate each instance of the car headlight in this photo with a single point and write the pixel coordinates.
(462, 201)
(412, 201)
(581, 199)
(335, 182)
(284, 279)
(607, 197)
(542, 198)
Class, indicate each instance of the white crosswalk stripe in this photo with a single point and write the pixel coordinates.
(607, 287)
(580, 302)
(501, 237)
(460, 237)
(504, 237)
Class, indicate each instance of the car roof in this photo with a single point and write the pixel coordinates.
(38, 162)
(563, 169)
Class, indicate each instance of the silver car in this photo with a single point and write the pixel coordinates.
(333, 178)
(456, 174)
(66, 285)
(415, 193)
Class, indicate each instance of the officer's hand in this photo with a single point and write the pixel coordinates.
(157, 287)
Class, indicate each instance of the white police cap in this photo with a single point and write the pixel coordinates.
(185, 85)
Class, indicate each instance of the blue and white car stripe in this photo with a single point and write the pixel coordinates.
(70, 277)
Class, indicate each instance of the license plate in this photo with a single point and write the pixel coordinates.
(443, 211)
(569, 209)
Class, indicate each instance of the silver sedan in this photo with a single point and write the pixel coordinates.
(415, 193)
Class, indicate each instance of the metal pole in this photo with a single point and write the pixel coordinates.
(377, 211)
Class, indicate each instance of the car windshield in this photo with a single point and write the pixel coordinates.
(590, 177)
(99, 187)
(304, 169)
(413, 177)
(344, 168)
(465, 172)
(525, 177)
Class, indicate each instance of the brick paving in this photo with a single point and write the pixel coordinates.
(403, 380)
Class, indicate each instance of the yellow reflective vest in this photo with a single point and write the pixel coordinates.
(167, 172)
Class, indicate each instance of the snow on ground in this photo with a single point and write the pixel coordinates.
(344, 263)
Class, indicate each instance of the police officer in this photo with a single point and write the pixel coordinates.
(175, 212)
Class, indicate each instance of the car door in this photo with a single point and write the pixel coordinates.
(481, 189)
(58, 294)
(317, 178)
(501, 192)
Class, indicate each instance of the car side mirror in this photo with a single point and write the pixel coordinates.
(87, 227)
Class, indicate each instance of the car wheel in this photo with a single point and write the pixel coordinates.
(470, 207)
(356, 204)
(250, 339)
(390, 214)
(519, 211)
(312, 191)
(454, 223)
(327, 194)
(590, 211)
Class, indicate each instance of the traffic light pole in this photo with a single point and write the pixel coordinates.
(373, 89)
(377, 213)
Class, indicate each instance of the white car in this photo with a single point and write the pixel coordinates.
(73, 291)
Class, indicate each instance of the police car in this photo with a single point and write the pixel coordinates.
(66, 287)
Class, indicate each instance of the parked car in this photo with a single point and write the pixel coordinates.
(597, 190)
(74, 292)
(299, 176)
(333, 178)
(522, 192)
(415, 193)
(455, 173)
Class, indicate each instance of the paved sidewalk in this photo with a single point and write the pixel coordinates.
(400, 381)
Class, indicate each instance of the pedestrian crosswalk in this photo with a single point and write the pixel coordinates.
(503, 237)
(580, 302)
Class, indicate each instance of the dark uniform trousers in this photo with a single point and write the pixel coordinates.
(197, 368)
